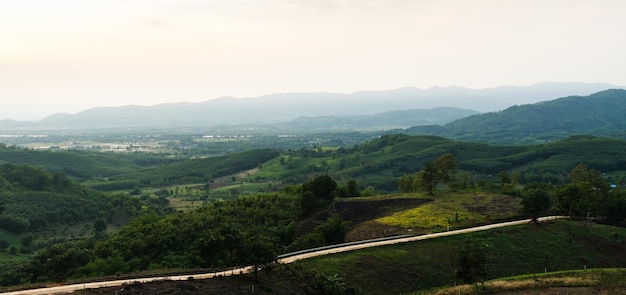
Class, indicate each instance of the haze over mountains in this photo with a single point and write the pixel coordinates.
(367, 109)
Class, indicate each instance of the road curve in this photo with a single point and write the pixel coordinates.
(292, 258)
(283, 260)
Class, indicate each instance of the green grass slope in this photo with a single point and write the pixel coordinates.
(562, 245)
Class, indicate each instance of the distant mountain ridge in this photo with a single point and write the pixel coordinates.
(386, 120)
(601, 114)
(288, 107)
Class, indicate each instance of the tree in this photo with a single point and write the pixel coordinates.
(334, 230)
(535, 201)
(581, 174)
(446, 167)
(504, 178)
(570, 198)
(100, 225)
(308, 203)
(350, 189)
(322, 186)
(353, 188)
(515, 177)
(614, 205)
(428, 177)
(441, 170)
(258, 249)
(406, 184)
(473, 262)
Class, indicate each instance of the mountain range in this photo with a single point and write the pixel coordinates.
(364, 109)
(600, 114)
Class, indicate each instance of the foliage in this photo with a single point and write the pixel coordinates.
(36, 200)
(237, 232)
(523, 249)
(199, 170)
(582, 174)
(334, 230)
(322, 186)
(598, 114)
(350, 189)
(535, 202)
(333, 284)
(309, 203)
(473, 262)
(378, 164)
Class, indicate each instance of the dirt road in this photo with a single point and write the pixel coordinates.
(286, 259)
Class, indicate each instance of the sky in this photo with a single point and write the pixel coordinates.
(70, 55)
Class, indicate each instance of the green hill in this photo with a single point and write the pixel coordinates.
(600, 114)
(379, 163)
(524, 249)
(81, 164)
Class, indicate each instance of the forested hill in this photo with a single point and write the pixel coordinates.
(600, 114)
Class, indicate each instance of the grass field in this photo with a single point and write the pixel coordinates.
(423, 265)
(592, 281)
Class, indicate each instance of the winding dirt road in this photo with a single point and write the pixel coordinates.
(284, 260)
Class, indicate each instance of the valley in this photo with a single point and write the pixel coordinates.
(80, 207)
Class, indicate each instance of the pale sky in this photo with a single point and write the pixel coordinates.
(70, 55)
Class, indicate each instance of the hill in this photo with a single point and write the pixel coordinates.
(280, 108)
(598, 114)
(422, 266)
(525, 249)
(380, 121)
(378, 163)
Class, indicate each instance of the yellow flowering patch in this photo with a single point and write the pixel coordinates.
(438, 214)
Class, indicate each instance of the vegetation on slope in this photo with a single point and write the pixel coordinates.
(377, 164)
(599, 114)
(252, 230)
(39, 210)
(562, 245)
(588, 281)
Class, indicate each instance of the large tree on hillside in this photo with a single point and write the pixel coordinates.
(440, 170)
(258, 249)
(535, 202)
(446, 167)
(322, 186)
(571, 198)
(582, 174)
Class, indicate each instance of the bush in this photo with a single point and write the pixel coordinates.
(14, 224)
